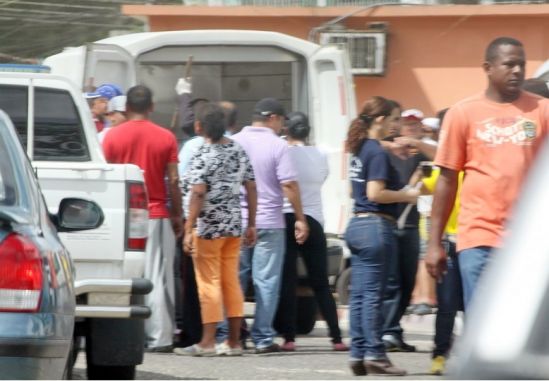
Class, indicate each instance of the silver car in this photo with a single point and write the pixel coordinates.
(37, 301)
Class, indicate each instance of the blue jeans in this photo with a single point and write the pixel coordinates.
(264, 263)
(471, 265)
(449, 300)
(370, 240)
(401, 277)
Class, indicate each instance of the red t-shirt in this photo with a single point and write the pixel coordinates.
(151, 148)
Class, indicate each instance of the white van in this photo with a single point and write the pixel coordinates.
(238, 66)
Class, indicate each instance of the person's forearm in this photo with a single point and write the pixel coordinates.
(291, 191)
(195, 206)
(443, 202)
(251, 198)
(387, 196)
(175, 198)
(428, 149)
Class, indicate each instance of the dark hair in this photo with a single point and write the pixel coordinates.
(139, 99)
(491, 52)
(536, 86)
(371, 109)
(441, 114)
(212, 120)
(298, 125)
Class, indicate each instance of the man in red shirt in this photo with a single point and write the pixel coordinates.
(154, 149)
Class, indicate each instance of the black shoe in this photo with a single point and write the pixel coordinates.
(383, 367)
(395, 344)
(270, 349)
(163, 349)
(244, 335)
(358, 368)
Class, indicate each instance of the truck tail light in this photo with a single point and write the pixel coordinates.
(138, 217)
(20, 275)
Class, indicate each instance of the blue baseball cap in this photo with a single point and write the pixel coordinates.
(109, 91)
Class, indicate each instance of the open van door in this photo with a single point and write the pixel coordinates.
(106, 63)
(331, 113)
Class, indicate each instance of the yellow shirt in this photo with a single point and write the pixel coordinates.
(429, 184)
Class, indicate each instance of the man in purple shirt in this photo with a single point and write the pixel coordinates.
(275, 178)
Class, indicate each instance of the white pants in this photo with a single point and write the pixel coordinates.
(159, 258)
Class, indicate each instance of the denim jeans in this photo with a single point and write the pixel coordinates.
(471, 265)
(264, 262)
(449, 300)
(401, 277)
(370, 240)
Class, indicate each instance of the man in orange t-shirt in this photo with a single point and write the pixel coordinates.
(494, 138)
(153, 149)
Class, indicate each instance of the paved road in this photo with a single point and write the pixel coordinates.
(312, 360)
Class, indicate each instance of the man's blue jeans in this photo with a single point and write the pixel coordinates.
(471, 265)
(371, 241)
(449, 300)
(401, 270)
(264, 261)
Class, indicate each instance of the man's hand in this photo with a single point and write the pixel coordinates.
(188, 244)
(250, 237)
(177, 226)
(183, 86)
(301, 230)
(436, 261)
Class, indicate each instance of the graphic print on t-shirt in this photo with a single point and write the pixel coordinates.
(512, 130)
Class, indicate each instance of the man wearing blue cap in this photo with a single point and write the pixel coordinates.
(98, 101)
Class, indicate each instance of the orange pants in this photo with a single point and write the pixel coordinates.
(216, 264)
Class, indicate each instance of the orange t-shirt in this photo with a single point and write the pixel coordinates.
(151, 148)
(495, 145)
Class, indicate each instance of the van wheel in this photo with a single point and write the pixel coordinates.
(343, 286)
(306, 314)
(101, 372)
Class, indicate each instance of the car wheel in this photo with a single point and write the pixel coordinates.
(343, 286)
(306, 314)
(101, 372)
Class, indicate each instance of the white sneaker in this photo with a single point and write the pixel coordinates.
(223, 349)
(195, 350)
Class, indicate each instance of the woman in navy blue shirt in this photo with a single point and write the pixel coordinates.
(376, 190)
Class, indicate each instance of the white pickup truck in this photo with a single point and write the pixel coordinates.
(56, 128)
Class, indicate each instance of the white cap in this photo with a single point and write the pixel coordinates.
(117, 104)
(412, 113)
(432, 123)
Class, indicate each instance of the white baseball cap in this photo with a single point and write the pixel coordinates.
(412, 113)
(117, 103)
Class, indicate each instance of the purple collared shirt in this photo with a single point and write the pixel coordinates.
(272, 166)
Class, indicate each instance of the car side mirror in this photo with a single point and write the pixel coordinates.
(77, 214)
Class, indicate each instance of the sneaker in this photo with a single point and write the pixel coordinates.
(162, 349)
(395, 344)
(223, 349)
(268, 349)
(358, 368)
(340, 347)
(288, 346)
(383, 367)
(438, 365)
(423, 309)
(195, 350)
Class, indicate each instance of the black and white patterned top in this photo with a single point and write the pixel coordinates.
(223, 168)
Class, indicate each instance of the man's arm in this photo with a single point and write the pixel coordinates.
(291, 191)
(426, 148)
(443, 201)
(251, 198)
(198, 194)
(176, 211)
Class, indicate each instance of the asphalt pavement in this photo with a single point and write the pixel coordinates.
(313, 359)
